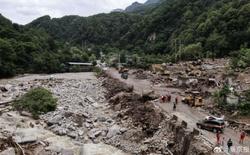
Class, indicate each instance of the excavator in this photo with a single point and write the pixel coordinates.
(159, 69)
(193, 99)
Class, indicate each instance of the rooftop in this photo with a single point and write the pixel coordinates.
(80, 63)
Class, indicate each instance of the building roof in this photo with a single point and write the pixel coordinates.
(80, 63)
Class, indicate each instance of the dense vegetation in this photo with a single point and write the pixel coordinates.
(220, 26)
(31, 50)
(91, 31)
(175, 30)
(143, 8)
(241, 59)
(37, 101)
(244, 106)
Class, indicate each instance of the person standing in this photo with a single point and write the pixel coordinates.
(169, 98)
(162, 99)
(174, 106)
(242, 137)
(223, 141)
(218, 138)
(229, 144)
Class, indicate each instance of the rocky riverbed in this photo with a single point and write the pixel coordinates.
(81, 120)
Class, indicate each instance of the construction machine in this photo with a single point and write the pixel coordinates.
(124, 72)
(159, 69)
(124, 75)
(193, 99)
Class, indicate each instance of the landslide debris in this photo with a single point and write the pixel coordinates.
(114, 86)
(90, 112)
(144, 121)
(143, 114)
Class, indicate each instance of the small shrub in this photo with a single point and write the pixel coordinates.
(220, 96)
(245, 105)
(241, 59)
(37, 101)
(191, 52)
(245, 108)
(98, 71)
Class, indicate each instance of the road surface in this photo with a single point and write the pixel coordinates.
(183, 111)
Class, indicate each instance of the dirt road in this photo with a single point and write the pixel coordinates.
(186, 113)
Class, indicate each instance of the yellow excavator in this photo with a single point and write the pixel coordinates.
(159, 69)
(193, 99)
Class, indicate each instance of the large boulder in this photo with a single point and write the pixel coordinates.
(113, 131)
(9, 151)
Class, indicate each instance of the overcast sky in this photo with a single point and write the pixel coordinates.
(24, 11)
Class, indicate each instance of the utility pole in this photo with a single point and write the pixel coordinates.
(82, 45)
(119, 58)
(175, 45)
(85, 44)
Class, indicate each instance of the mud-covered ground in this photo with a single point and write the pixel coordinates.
(188, 76)
(93, 116)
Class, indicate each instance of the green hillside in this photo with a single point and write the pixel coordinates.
(22, 50)
(30, 50)
(221, 26)
(174, 30)
(98, 30)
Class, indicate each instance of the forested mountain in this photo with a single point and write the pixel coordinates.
(23, 49)
(134, 7)
(174, 30)
(98, 30)
(149, 2)
(219, 26)
(141, 8)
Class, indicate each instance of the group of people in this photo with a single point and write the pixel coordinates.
(229, 142)
(167, 98)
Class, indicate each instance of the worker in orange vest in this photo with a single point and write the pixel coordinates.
(176, 100)
(242, 137)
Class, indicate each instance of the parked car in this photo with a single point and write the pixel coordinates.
(215, 118)
(211, 125)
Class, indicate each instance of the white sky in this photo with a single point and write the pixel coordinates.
(24, 11)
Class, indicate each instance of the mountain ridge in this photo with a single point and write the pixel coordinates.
(136, 7)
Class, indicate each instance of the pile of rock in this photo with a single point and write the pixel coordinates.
(81, 114)
(114, 86)
(142, 75)
(143, 114)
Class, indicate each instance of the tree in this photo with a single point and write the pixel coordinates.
(7, 59)
(241, 59)
(78, 55)
(221, 95)
(218, 44)
(92, 59)
(191, 52)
